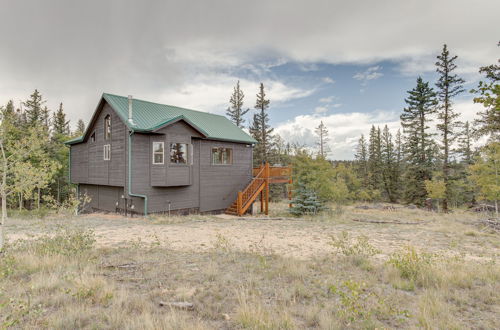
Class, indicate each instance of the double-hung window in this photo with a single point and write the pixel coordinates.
(222, 156)
(158, 153)
(107, 152)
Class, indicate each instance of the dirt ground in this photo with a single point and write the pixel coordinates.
(300, 238)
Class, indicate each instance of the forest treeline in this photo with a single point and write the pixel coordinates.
(432, 156)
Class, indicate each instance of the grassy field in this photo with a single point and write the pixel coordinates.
(326, 272)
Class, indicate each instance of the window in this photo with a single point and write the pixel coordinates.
(92, 137)
(178, 153)
(107, 127)
(107, 152)
(222, 156)
(158, 153)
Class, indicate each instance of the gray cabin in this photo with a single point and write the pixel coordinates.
(146, 157)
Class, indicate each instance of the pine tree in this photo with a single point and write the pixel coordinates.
(449, 85)
(388, 161)
(374, 160)
(260, 128)
(322, 133)
(418, 146)
(60, 126)
(80, 127)
(488, 92)
(33, 111)
(465, 144)
(235, 111)
(361, 157)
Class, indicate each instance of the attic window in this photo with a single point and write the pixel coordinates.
(107, 152)
(92, 137)
(178, 153)
(107, 127)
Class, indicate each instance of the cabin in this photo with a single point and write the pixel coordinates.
(140, 157)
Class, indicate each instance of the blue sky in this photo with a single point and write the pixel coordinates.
(348, 64)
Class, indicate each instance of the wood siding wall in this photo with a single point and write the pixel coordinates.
(87, 161)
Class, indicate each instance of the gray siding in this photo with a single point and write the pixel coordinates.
(87, 163)
(102, 197)
(221, 183)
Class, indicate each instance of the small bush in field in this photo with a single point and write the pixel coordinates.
(347, 246)
(410, 263)
(66, 243)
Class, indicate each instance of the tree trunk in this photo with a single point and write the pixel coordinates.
(3, 193)
(38, 199)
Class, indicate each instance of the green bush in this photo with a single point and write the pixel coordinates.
(347, 246)
(64, 242)
(411, 264)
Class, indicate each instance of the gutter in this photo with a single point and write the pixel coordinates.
(130, 174)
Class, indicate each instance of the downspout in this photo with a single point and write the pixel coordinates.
(130, 174)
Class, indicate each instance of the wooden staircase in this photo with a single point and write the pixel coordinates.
(259, 186)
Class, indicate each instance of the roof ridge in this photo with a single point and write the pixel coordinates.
(168, 105)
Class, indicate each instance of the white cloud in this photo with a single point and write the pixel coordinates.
(344, 129)
(328, 99)
(371, 73)
(328, 80)
(320, 109)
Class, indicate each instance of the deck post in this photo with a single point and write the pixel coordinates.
(261, 201)
(267, 174)
(239, 203)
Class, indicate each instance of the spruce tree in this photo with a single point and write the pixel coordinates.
(449, 85)
(34, 111)
(260, 128)
(488, 123)
(361, 157)
(388, 161)
(305, 201)
(465, 141)
(80, 127)
(322, 133)
(419, 145)
(60, 126)
(235, 112)
(374, 160)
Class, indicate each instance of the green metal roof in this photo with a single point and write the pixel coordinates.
(148, 116)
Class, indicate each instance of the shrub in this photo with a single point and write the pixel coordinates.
(411, 264)
(347, 246)
(305, 202)
(65, 242)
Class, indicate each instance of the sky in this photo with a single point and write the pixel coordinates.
(346, 63)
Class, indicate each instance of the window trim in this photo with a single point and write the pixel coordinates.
(221, 164)
(107, 127)
(187, 156)
(162, 153)
(106, 146)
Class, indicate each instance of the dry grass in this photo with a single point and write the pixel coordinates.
(371, 276)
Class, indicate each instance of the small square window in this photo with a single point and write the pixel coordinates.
(107, 152)
(178, 153)
(158, 153)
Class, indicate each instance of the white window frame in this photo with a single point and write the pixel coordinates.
(162, 153)
(106, 152)
(221, 164)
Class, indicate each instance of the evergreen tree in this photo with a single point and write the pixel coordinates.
(34, 111)
(60, 126)
(235, 112)
(260, 128)
(305, 202)
(361, 157)
(465, 144)
(388, 160)
(449, 85)
(375, 160)
(488, 92)
(80, 127)
(322, 133)
(418, 146)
